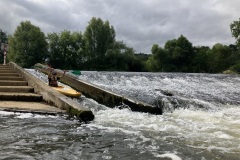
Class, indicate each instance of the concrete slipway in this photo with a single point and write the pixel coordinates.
(22, 92)
(106, 97)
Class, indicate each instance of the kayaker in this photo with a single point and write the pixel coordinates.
(53, 78)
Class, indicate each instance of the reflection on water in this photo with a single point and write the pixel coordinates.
(211, 132)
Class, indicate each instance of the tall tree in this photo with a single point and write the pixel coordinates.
(158, 59)
(235, 58)
(99, 36)
(180, 53)
(27, 45)
(219, 58)
(77, 51)
(200, 61)
(66, 49)
(3, 37)
(3, 40)
(54, 49)
(235, 29)
(122, 58)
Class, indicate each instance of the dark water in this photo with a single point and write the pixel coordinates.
(201, 121)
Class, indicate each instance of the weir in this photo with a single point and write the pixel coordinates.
(106, 97)
(22, 92)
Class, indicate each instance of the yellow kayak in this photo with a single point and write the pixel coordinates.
(68, 91)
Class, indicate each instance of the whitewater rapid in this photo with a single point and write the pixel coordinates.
(203, 122)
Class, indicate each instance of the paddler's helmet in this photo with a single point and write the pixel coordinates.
(54, 73)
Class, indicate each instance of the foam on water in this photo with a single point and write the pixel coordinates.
(150, 87)
(6, 113)
(212, 131)
(169, 155)
(185, 130)
(25, 115)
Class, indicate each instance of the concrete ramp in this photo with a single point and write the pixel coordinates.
(106, 97)
(22, 92)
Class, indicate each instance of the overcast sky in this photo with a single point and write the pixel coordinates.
(138, 23)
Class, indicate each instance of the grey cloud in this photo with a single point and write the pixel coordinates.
(139, 23)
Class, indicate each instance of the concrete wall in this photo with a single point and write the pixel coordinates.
(106, 97)
(53, 97)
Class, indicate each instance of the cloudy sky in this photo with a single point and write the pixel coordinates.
(138, 23)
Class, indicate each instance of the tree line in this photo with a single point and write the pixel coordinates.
(97, 49)
(178, 55)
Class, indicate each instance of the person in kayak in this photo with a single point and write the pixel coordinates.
(53, 78)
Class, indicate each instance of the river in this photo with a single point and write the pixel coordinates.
(200, 122)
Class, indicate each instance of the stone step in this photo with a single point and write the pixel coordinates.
(4, 66)
(30, 107)
(13, 83)
(15, 96)
(10, 74)
(7, 71)
(11, 78)
(22, 89)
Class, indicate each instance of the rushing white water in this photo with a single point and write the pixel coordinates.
(202, 90)
(203, 122)
(214, 128)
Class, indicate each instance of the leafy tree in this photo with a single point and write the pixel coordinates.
(235, 57)
(27, 45)
(158, 60)
(235, 29)
(122, 58)
(74, 50)
(3, 40)
(141, 61)
(54, 49)
(77, 55)
(3, 37)
(179, 54)
(115, 58)
(200, 59)
(133, 63)
(99, 36)
(236, 67)
(66, 49)
(219, 58)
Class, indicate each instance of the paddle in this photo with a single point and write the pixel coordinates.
(39, 65)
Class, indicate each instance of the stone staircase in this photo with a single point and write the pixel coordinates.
(14, 88)
(15, 94)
